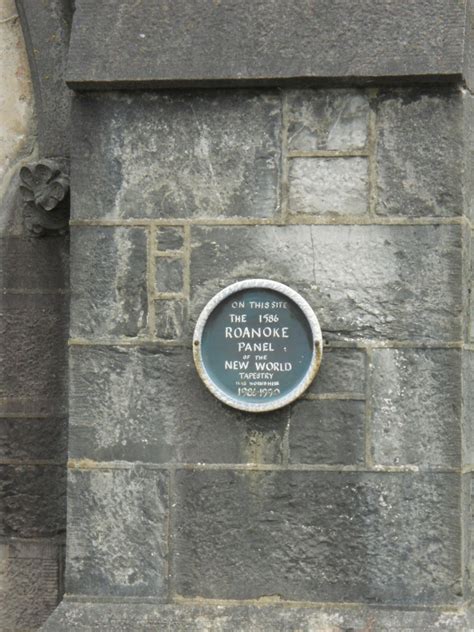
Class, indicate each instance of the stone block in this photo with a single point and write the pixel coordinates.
(468, 407)
(33, 264)
(117, 533)
(341, 371)
(420, 153)
(328, 186)
(327, 432)
(33, 500)
(33, 439)
(29, 583)
(96, 617)
(318, 536)
(108, 281)
(169, 274)
(416, 403)
(364, 282)
(148, 404)
(170, 319)
(169, 238)
(33, 368)
(327, 120)
(176, 155)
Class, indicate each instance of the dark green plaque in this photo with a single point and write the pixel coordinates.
(257, 345)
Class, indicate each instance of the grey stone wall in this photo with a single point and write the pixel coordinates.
(33, 373)
(359, 492)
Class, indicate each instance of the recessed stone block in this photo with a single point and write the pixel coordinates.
(33, 500)
(117, 533)
(150, 405)
(108, 280)
(33, 264)
(327, 120)
(169, 274)
(213, 154)
(322, 186)
(420, 153)
(376, 282)
(169, 238)
(33, 438)
(170, 319)
(318, 536)
(33, 330)
(327, 432)
(416, 402)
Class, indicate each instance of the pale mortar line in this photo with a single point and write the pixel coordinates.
(284, 184)
(168, 254)
(169, 295)
(119, 342)
(151, 320)
(187, 262)
(372, 150)
(294, 218)
(330, 153)
(392, 344)
(89, 464)
(334, 396)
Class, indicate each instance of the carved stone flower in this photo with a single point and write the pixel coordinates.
(45, 192)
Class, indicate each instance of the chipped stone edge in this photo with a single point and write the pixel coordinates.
(315, 330)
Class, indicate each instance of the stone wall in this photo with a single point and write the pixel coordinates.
(358, 199)
(33, 329)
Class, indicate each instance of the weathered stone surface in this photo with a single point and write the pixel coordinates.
(326, 431)
(398, 282)
(169, 238)
(117, 533)
(33, 439)
(176, 155)
(341, 371)
(89, 617)
(33, 500)
(108, 281)
(169, 274)
(468, 407)
(420, 153)
(170, 319)
(318, 536)
(327, 120)
(468, 139)
(29, 583)
(33, 264)
(322, 186)
(416, 403)
(32, 353)
(265, 41)
(149, 404)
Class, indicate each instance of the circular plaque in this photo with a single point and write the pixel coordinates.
(257, 345)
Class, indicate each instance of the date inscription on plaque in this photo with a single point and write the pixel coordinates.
(257, 345)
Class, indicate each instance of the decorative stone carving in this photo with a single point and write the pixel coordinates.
(45, 191)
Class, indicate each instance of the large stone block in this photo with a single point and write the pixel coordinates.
(468, 407)
(108, 280)
(420, 153)
(117, 533)
(327, 431)
(33, 500)
(416, 403)
(177, 155)
(318, 536)
(328, 186)
(328, 120)
(33, 264)
(148, 404)
(29, 583)
(33, 438)
(396, 282)
(33, 368)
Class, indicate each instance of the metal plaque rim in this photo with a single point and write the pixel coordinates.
(316, 353)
